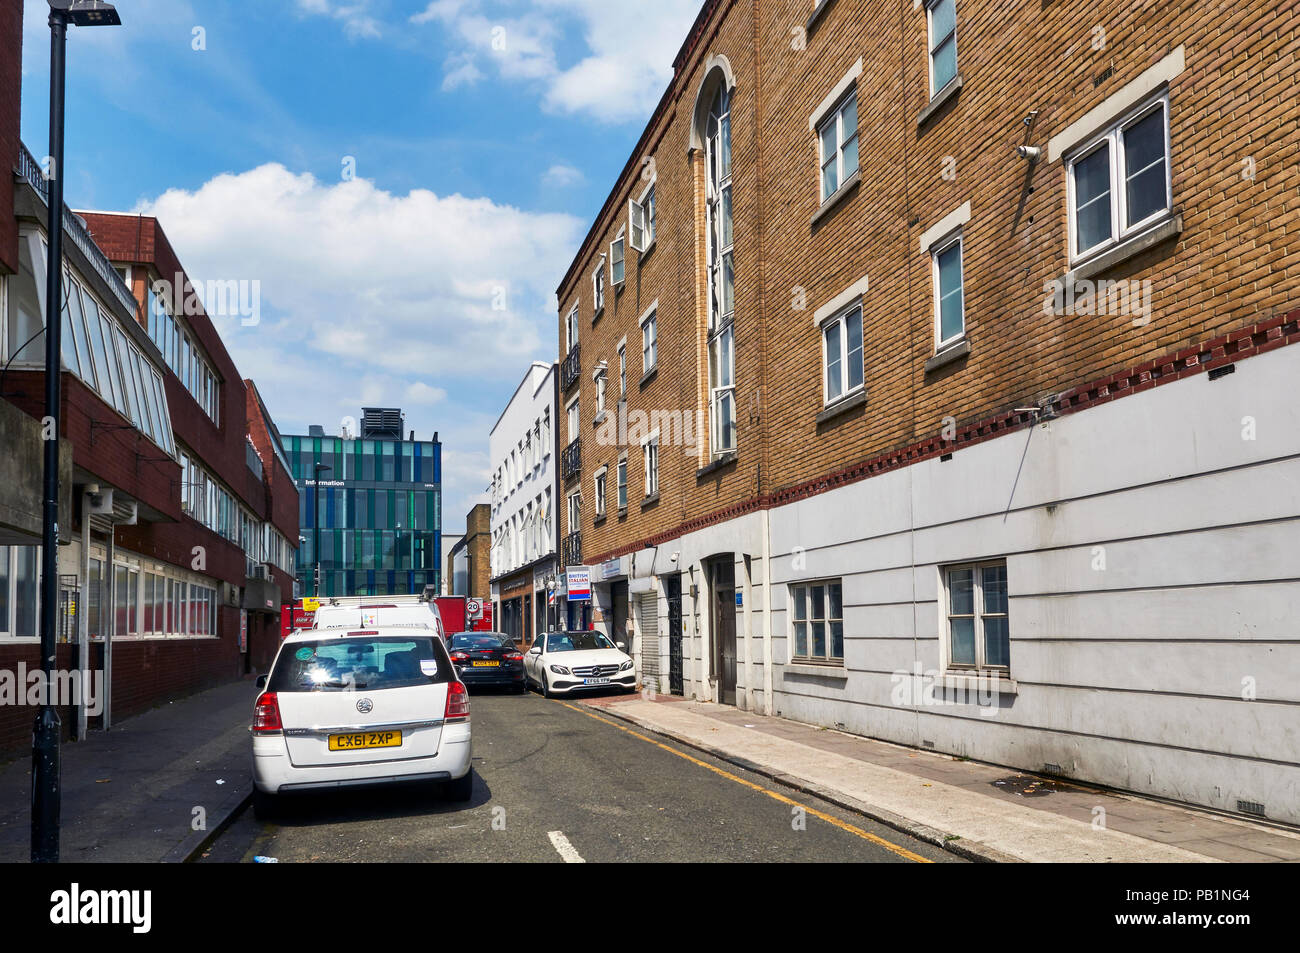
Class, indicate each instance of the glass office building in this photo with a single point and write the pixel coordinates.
(379, 510)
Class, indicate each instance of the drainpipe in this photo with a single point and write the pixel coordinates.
(83, 625)
(770, 707)
(110, 576)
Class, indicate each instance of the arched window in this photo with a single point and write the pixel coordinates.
(722, 272)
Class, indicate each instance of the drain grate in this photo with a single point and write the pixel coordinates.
(1251, 807)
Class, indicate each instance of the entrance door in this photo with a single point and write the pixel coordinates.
(618, 625)
(724, 628)
(676, 682)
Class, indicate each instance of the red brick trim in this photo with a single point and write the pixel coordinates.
(1244, 342)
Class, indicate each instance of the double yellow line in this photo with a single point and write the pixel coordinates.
(820, 815)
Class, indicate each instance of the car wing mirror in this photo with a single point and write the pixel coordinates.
(261, 681)
(622, 646)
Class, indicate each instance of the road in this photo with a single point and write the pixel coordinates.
(558, 781)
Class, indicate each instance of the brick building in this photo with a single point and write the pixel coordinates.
(174, 527)
(470, 561)
(925, 374)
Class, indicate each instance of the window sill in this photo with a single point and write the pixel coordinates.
(649, 375)
(969, 681)
(644, 253)
(598, 419)
(938, 100)
(842, 405)
(598, 520)
(650, 500)
(599, 311)
(619, 286)
(817, 15)
(724, 460)
(1129, 248)
(949, 355)
(817, 670)
(835, 198)
(622, 512)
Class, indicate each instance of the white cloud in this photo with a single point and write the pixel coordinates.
(561, 176)
(355, 17)
(432, 303)
(627, 66)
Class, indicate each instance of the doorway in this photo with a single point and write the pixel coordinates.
(676, 682)
(724, 627)
(618, 622)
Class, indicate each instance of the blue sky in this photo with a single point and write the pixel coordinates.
(407, 180)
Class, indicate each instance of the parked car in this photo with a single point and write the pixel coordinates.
(488, 658)
(343, 708)
(562, 662)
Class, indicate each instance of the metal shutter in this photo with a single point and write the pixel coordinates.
(648, 618)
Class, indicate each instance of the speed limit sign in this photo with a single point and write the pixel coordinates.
(473, 608)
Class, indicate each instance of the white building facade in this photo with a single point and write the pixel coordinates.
(523, 495)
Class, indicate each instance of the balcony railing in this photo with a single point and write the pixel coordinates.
(571, 549)
(571, 460)
(31, 170)
(570, 369)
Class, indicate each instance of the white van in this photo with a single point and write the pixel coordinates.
(367, 612)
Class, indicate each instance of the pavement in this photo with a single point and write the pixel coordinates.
(981, 811)
(152, 789)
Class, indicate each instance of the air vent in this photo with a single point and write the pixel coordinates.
(1103, 76)
(927, 744)
(1251, 807)
(1050, 768)
(1222, 371)
(945, 458)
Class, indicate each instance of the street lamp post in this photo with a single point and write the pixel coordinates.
(317, 471)
(46, 797)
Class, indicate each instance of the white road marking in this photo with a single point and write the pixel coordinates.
(567, 851)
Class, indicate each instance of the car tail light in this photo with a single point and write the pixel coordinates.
(266, 714)
(459, 657)
(514, 657)
(457, 702)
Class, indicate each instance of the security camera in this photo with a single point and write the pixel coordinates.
(1031, 153)
(673, 557)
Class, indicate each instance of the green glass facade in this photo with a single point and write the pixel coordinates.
(379, 510)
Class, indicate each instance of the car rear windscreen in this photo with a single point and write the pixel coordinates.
(360, 663)
(474, 640)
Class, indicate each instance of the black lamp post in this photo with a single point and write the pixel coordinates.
(317, 471)
(45, 734)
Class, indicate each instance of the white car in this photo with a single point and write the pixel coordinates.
(357, 707)
(564, 662)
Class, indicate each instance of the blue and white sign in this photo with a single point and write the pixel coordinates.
(578, 583)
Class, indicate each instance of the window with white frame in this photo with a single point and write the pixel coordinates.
(571, 327)
(1119, 182)
(978, 631)
(622, 370)
(817, 621)
(722, 274)
(600, 481)
(546, 432)
(575, 511)
(600, 395)
(575, 424)
(650, 454)
(838, 135)
(622, 482)
(617, 263)
(598, 286)
(650, 339)
(949, 295)
(641, 217)
(842, 354)
(942, 17)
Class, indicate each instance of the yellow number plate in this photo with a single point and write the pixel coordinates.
(366, 739)
(487, 664)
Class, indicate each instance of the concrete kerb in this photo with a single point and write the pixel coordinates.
(190, 849)
(969, 850)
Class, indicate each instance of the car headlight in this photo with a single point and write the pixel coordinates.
(560, 670)
(625, 666)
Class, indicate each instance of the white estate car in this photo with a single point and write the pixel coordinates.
(563, 662)
(345, 707)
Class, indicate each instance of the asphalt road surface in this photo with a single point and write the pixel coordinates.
(556, 781)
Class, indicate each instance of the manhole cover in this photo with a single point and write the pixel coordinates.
(1027, 787)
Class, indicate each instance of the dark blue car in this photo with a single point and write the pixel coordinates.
(487, 658)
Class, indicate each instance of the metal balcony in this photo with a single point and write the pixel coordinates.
(571, 460)
(570, 369)
(571, 549)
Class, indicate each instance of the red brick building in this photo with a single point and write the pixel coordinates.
(178, 520)
(935, 347)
